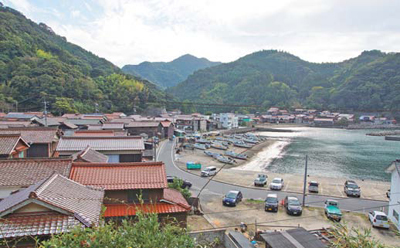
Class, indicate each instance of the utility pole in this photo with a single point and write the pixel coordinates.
(305, 183)
(45, 112)
(96, 107)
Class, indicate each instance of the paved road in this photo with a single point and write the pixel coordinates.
(165, 154)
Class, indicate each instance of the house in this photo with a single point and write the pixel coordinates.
(293, 238)
(12, 146)
(394, 206)
(117, 148)
(167, 129)
(151, 128)
(324, 122)
(21, 173)
(20, 116)
(228, 120)
(42, 140)
(127, 184)
(51, 206)
(89, 155)
(189, 123)
(57, 122)
(11, 124)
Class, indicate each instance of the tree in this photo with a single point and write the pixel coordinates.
(144, 231)
(353, 237)
(177, 184)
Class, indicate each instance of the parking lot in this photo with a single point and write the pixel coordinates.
(374, 190)
(252, 212)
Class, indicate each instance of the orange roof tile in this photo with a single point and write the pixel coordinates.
(120, 210)
(173, 195)
(166, 123)
(121, 176)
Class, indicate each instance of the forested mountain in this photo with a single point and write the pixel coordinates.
(168, 74)
(272, 78)
(37, 64)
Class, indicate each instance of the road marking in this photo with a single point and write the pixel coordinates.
(322, 190)
(287, 186)
(340, 192)
(159, 149)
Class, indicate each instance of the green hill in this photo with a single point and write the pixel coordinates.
(37, 64)
(168, 74)
(272, 78)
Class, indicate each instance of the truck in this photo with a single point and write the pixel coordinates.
(332, 210)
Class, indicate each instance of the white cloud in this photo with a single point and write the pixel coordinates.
(161, 30)
(75, 13)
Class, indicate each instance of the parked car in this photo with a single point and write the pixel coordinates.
(378, 219)
(292, 205)
(232, 198)
(272, 203)
(209, 171)
(185, 185)
(261, 180)
(332, 210)
(276, 184)
(313, 187)
(352, 189)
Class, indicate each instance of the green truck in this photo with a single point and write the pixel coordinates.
(193, 166)
(332, 210)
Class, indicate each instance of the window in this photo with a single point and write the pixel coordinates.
(395, 215)
(113, 158)
(21, 154)
(133, 196)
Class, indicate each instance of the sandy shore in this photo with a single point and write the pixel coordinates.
(261, 155)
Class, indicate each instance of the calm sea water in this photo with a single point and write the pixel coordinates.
(332, 153)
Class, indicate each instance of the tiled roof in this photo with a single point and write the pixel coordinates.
(8, 124)
(113, 125)
(60, 192)
(120, 143)
(120, 210)
(34, 134)
(8, 143)
(19, 116)
(142, 124)
(124, 120)
(36, 224)
(95, 127)
(90, 155)
(84, 122)
(24, 172)
(94, 133)
(121, 176)
(173, 195)
(166, 123)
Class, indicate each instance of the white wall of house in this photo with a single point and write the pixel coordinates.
(228, 120)
(394, 203)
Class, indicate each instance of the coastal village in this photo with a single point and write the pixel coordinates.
(59, 172)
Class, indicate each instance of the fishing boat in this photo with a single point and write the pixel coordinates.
(203, 141)
(251, 141)
(211, 154)
(200, 146)
(242, 144)
(233, 154)
(225, 160)
(218, 146)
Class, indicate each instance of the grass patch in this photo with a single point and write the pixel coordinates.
(254, 201)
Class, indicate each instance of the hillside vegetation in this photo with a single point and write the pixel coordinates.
(370, 81)
(168, 74)
(37, 64)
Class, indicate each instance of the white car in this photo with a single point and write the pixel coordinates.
(276, 184)
(209, 171)
(378, 219)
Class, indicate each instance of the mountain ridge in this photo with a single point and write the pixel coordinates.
(168, 74)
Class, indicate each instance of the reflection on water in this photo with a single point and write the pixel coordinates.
(332, 153)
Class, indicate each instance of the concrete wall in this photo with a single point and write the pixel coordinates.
(395, 198)
(205, 237)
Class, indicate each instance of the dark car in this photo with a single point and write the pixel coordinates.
(232, 198)
(293, 206)
(271, 203)
(185, 185)
(352, 189)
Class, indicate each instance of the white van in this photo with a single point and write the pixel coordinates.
(209, 171)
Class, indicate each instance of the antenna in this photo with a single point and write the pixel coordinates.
(45, 112)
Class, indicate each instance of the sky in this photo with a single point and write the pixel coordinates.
(133, 31)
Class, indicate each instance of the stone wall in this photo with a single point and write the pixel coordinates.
(206, 237)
